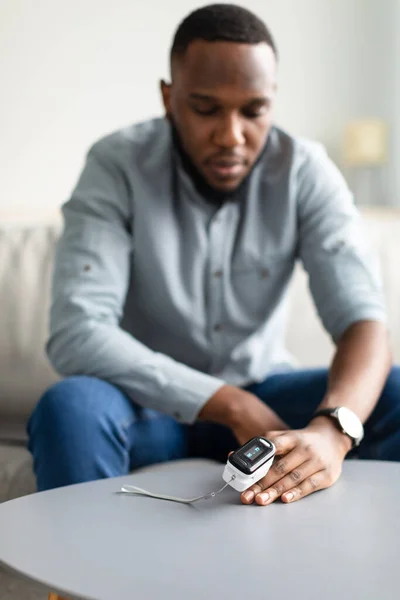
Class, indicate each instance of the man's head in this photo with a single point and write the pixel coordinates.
(223, 84)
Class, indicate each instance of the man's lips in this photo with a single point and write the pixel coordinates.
(227, 168)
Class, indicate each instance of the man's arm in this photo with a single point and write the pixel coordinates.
(245, 414)
(349, 299)
(91, 276)
(359, 370)
(345, 287)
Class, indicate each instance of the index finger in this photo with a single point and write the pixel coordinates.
(284, 441)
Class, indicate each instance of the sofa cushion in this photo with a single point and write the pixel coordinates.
(25, 280)
(16, 473)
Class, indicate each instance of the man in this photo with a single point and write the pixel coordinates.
(169, 295)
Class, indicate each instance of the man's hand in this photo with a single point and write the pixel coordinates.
(307, 460)
(244, 413)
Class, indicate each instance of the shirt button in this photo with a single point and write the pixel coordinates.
(218, 274)
(217, 327)
(339, 245)
(264, 273)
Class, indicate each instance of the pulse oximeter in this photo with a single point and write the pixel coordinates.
(249, 464)
(244, 467)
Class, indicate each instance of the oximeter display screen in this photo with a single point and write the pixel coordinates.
(254, 452)
(252, 455)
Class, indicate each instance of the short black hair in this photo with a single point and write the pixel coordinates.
(221, 23)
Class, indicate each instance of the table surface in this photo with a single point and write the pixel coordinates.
(86, 541)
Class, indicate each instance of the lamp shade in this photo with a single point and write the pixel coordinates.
(365, 142)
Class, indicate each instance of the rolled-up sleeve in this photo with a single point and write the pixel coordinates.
(343, 272)
(90, 282)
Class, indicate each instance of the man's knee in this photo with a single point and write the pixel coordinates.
(73, 401)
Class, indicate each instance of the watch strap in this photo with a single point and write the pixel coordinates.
(324, 412)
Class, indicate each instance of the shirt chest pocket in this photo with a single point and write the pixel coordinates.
(258, 284)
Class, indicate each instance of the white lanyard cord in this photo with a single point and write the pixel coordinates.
(136, 491)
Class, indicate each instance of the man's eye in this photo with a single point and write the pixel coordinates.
(253, 114)
(206, 112)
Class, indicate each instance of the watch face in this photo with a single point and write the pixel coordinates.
(350, 423)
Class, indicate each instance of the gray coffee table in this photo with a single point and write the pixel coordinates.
(86, 541)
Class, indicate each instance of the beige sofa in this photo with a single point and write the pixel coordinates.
(26, 254)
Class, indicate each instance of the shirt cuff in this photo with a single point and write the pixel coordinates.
(187, 391)
(355, 316)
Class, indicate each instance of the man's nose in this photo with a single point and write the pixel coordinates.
(229, 132)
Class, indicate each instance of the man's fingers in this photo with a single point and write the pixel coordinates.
(284, 441)
(306, 461)
(294, 478)
(284, 465)
(280, 468)
(271, 434)
(317, 481)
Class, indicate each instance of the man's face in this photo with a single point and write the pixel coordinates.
(221, 101)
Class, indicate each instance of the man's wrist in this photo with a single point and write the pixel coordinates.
(327, 424)
(224, 406)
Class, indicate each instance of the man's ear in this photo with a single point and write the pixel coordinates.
(166, 96)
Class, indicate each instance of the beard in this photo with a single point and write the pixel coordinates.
(207, 191)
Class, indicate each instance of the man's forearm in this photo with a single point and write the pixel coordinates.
(244, 413)
(150, 379)
(359, 369)
(231, 406)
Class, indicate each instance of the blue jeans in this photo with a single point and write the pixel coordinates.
(84, 428)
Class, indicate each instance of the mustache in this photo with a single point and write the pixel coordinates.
(223, 156)
(227, 157)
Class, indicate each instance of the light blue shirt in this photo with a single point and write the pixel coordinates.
(168, 296)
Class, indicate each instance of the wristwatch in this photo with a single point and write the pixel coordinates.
(346, 421)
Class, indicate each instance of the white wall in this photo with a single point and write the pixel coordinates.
(72, 71)
(396, 109)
